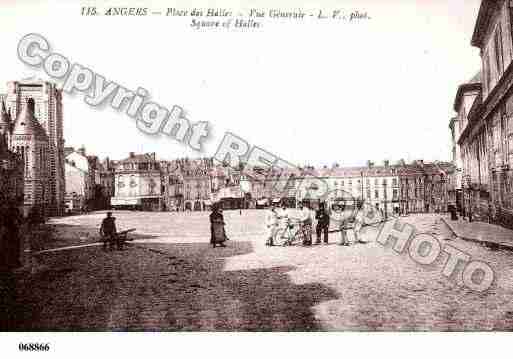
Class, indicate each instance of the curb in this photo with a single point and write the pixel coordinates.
(489, 244)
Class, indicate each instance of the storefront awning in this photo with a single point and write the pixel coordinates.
(125, 201)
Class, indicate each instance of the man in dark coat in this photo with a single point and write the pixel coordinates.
(323, 223)
(217, 232)
(108, 232)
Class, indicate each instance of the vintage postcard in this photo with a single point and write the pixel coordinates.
(239, 166)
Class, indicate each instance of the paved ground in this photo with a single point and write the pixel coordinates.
(481, 232)
(171, 279)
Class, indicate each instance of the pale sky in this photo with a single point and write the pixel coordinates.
(308, 92)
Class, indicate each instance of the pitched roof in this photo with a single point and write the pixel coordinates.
(142, 158)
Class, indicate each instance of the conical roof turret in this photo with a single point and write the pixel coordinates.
(26, 123)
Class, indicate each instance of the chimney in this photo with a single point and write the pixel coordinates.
(386, 163)
(132, 154)
(370, 164)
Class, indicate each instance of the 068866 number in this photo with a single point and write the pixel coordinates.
(34, 347)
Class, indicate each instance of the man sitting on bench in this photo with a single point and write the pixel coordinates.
(109, 233)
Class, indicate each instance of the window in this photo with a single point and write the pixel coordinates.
(504, 139)
(499, 61)
(488, 77)
(376, 194)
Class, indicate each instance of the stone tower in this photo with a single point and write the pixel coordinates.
(6, 124)
(48, 111)
(30, 142)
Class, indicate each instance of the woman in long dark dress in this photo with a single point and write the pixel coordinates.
(217, 232)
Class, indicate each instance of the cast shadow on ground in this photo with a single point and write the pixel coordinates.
(166, 287)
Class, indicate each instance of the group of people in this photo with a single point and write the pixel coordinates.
(279, 219)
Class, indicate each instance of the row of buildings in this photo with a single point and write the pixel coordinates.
(59, 179)
(141, 181)
(482, 130)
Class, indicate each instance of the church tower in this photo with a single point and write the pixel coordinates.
(30, 142)
(49, 113)
(6, 125)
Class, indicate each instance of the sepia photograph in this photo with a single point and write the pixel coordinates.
(206, 170)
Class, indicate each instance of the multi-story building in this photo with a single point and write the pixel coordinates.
(425, 187)
(89, 181)
(138, 183)
(465, 97)
(107, 181)
(192, 181)
(486, 132)
(374, 185)
(28, 139)
(79, 181)
(48, 112)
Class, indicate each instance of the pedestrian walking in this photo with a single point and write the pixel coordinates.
(217, 231)
(323, 223)
(108, 232)
(271, 221)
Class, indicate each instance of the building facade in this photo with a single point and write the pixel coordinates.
(486, 129)
(47, 110)
(27, 138)
(138, 183)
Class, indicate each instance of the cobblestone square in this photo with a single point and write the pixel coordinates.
(170, 279)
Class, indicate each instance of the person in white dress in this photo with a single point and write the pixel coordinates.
(271, 221)
(305, 218)
(359, 222)
(283, 216)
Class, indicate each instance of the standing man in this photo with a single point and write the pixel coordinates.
(108, 232)
(323, 223)
(305, 218)
(271, 221)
